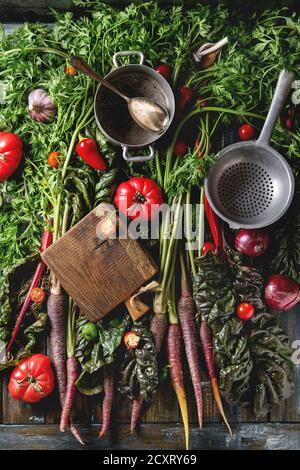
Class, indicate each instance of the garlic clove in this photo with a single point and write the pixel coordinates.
(208, 53)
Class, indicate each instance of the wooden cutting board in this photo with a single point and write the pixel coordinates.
(98, 274)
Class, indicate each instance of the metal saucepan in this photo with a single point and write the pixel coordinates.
(111, 112)
(252, 185)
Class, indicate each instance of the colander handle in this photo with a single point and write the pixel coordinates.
(281, 92)
(125, 54)
(141, 158)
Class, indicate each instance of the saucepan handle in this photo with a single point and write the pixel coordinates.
(141, 158)
(125, 54)
(282, 89)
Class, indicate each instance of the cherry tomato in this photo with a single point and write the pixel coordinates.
(245, 311)
(289, 123)
(180, 148)
(207, 246)
(201, 102)
(246, 132)
(131, 340)
(70, 70)
(53, 160)
(37, 295)
(164, 70)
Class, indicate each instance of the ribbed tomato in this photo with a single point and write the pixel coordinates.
(11, 152)
(139, 197)
(32, 379)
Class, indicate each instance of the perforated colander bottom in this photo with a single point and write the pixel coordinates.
(245, 189)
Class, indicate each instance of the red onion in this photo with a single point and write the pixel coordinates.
(281, 292)
(40, 106)
(252, 242)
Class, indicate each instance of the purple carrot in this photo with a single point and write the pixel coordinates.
(137, 405)
(55, 308)
(108, 398)
(207, 347)
(190, 337)
(158, 327)
(176, 373)
(70, 392)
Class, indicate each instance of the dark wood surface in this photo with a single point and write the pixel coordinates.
(36, 426)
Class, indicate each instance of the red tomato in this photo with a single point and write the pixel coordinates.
(139, 197)
(70, 70)
(207, 246)
(164, 70)
(184, 95)
(180, 148)
(131, 340)
(245, 311)
(246, 132)
(11, 152)
(201, 102)
(289, 123)
(53, 160)
(32, 379)
(37, 295)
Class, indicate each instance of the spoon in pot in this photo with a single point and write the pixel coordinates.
(147, 113)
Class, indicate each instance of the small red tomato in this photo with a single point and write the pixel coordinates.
(245, 311)
(180, 148)
(164, 70)
(289, 123)
(37, 295)
(201, 102)
(207, 246)
(53, 160)
(131, 340)
(70, 70)
(246, 132)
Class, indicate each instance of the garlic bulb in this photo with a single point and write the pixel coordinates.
(40, 106)
(207, 54)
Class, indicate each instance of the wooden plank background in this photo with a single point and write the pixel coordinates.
(25, 426)
(36, 426)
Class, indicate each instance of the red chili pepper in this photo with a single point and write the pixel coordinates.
(46, 241)
(88, 151)
(213, 224)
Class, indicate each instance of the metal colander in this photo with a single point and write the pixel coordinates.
(252, 185)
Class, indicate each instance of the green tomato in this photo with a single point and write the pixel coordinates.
(89, 332)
